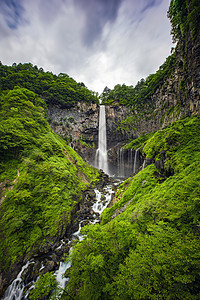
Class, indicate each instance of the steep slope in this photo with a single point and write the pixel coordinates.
(171, 93)
(42, 182)
(147, 245)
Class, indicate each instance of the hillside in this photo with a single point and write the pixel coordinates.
(60, 90)
(42, 182)
(147, 244)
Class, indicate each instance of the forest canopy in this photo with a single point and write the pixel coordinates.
(54, 89)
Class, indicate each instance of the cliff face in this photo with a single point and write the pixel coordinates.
(178, 96)
(76, 123)
(78, 126)
(115, 133)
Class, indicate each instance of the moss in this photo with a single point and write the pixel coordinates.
(42, 182)
(147, 245)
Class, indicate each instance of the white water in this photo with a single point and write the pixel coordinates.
(143, 165)
(135, 161)
(101, 160)
(127, 162)
(103, 199)
(121, 167)
(16, 290)
(100, 205)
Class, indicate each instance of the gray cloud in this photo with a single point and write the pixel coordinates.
(99, 42)
(13, 12)
(98, 13)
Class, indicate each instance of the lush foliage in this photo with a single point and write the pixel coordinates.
(144, 89)
(61, 89)
(41, 177)
(44, 287)
(150, 249)
(184, 16)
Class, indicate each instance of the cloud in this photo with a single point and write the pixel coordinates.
(12, 11)
(97, 42)
(97, 14)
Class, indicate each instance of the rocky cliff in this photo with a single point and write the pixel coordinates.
(78, 125)
(177, 96)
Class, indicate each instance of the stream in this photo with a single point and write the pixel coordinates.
(18, 290)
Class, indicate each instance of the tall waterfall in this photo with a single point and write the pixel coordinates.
(101, 154)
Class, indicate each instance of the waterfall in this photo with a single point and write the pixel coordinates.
(130, 160)
(101, 159)
(121, 167)
(135, 161)
(143, 165)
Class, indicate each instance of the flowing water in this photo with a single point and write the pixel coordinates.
(135, 161)
(101, 160)
(102, 201)
(17, 289)
(127, 162)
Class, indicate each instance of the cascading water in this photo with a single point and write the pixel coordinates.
(135, 161)
(18, 290)
(101, 160)
(121, 169)
(127, 163)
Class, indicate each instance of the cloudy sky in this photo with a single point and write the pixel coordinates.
(98, 42)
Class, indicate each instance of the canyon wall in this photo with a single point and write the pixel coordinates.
(177, 96)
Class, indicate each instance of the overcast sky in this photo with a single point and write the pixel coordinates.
(98, 42)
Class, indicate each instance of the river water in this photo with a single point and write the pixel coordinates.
(18, 290)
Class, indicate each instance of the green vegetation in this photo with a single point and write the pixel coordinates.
(45, 288)
(185, 17)
(61, 89)
(42, 179)
(140, 94)
(151, 248)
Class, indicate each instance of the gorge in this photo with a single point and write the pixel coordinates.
(145, 244)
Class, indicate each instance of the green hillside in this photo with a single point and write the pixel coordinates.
(147, 245)
(42, 179)
(55, 89)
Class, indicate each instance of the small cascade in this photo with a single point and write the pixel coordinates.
(121, 167)
(101, 159)
(135, 161)
(16, 290)
(143, 165)
(127, 162)
(130, 160)
(98, 208)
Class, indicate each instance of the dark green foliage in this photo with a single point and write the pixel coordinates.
(42, 178)
(60, 89)
(44, 287)
(22, 120)
(147, 245)
(164, 265)
(184, 16)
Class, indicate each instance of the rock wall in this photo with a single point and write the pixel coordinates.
(177, 97)
(115, 133)
(78, 125)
